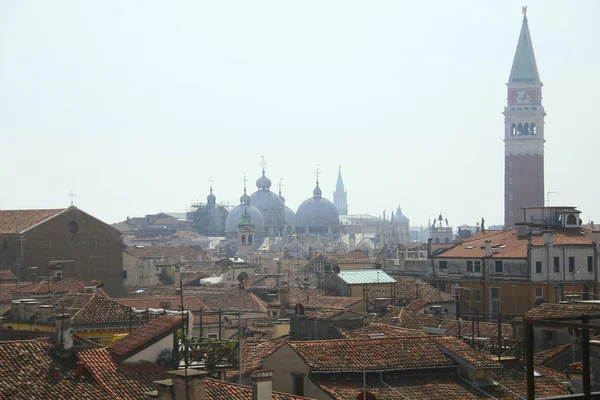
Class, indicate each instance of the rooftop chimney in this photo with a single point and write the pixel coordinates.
(262, 385)
(64, 339)
(284, 300)
(196, 387)
(79, 369)
(278, 271)
(596, 237)
(488, 248)
(548, 238)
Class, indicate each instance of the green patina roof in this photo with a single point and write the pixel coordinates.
(365, 276)
(246, 220)
(524, 68)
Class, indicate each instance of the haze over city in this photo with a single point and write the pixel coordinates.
(135, 105)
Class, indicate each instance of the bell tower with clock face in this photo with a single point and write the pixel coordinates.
(523, 133)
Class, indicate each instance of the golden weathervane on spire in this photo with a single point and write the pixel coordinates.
(524, 10)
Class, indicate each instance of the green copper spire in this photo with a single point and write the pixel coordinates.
(246, 220)
(524, 68)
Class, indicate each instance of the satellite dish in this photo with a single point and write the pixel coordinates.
(299, 309)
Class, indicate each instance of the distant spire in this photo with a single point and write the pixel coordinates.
(339, 186)
(524, 68)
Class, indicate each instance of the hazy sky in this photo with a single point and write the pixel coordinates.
(134, 104)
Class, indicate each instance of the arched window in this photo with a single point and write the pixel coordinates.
(526, 129)
(519, 129)
(571, 220)
(532, 129)
(437, 240)
(513, 130)
(447, 240)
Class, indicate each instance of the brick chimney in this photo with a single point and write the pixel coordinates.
(196, 385)
(284, 300)
(262, 385)
(488, 248)
(596, 237)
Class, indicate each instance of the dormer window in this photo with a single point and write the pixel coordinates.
(571, 219)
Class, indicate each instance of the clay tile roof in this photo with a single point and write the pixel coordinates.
(253, 353)
(415, 289)
(549, 383)
(100, 310)
(417, 304)
(220, 390)
(431, 386)
(314, 299)
(232, 300)
(410, 319)
(328, 313)
(561, 311)
(376, 328)
(352, 257)
(17, 221)
(121, 381)
(545, 356)
(6, 275)
(52, 286)
(28, 372)
(346, 355)
(460, 350)
(191, 303)
(145, 335)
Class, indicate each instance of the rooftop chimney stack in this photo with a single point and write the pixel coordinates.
(64, 338)
(262, 385)
(488, 248)
(548, 238)
(596, 238)
(284, 300)
(196, 385)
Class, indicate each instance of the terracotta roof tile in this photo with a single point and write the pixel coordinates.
(28, 372)
(381, 354)
(6, 275)
(253, 353)
(513, 377)
(431, 386)
(352, 257)
(513, 246)
(545, 356)
(315, 299)
(145, 335)
(191, 303)
(100, 310)
(559, 310)
(413, 289)
(121, 381)
(459, 349)
(376, 328)
(220, 390)
(231, 300)
(52, 286)
(17, 221)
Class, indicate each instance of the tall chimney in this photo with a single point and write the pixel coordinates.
(284, 300)
(429, 251)
(548, 238)
(488, 248)
(196, 386)
(64, 339)
(596, 237)
(278, 272)
(262, 385)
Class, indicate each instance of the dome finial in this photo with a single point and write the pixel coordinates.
(245, 199)
(263, 182)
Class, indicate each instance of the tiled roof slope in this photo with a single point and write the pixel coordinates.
(513, 246)
(352, 257)
(191, 303)
(459, 349)
(52, 286)
(121, 381)
(545, 356)
(28, 372)
(381, 354)
(6, 275)
(100, 310)
(145, 335)
(220, 390)
(315, 299)
(416, 289)
(17, 221)
(376, 328)
(432, 386)
(232, 300)
(558, 311)
(549, 383)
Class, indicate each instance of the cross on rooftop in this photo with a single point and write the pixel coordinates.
(71, 195)
(263, 162)
(317, 173)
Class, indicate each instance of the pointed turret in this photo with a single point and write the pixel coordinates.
(524, 68)
(340, 199)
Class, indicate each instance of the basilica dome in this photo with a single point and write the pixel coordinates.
(235, 215)
(399, 217)
(317, 215)
(269, 204)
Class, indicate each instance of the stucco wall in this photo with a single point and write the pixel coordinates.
(151, 352)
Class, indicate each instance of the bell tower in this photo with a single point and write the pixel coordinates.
(340, 196)
(523, 133)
